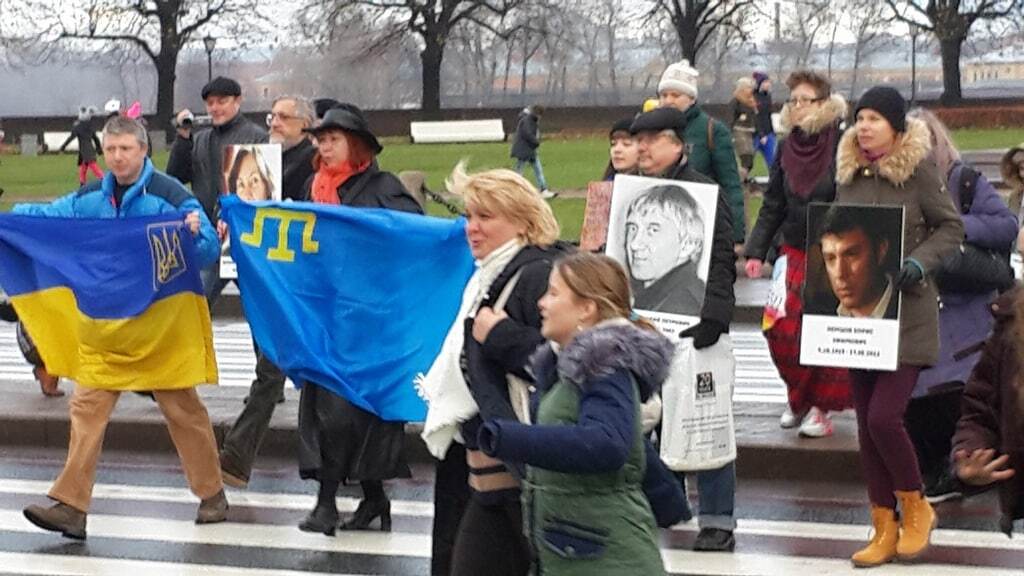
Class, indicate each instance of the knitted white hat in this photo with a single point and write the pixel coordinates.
(681, 77)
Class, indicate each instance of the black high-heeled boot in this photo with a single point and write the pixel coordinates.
(367, 512)
(324, 517)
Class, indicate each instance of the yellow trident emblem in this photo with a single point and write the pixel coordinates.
(281, 252)
(165, 246)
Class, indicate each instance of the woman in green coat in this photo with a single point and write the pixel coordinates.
(584, 507)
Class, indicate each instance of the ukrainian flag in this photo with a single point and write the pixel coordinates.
(111, 303)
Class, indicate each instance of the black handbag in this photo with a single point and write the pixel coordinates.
(975, 270)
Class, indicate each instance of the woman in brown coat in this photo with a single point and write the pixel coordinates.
(882, 160)
(992, 410)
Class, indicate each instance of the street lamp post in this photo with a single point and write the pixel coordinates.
(209, 42)
(914, 31)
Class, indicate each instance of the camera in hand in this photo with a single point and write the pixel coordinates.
(192, 121)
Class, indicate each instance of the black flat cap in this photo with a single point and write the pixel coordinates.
(221, 86)
(660, 119)
(349, 118)
(322, 105)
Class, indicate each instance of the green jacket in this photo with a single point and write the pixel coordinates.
(717, 162)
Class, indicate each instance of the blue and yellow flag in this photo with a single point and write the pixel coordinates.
(356, 300)
(113, 303)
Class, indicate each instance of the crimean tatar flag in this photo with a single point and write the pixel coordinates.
(111, 303)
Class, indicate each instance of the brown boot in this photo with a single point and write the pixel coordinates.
(882, 547)
(213, 509)
(49, 385)
(918, 520)
(58, 518)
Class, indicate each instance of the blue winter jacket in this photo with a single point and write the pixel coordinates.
(153, 193)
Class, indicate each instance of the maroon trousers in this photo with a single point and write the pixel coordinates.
(886, 452)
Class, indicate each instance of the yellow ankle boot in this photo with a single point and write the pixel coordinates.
(882, 547)
(918, 519)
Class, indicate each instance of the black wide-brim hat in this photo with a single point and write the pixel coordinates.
(349, 120)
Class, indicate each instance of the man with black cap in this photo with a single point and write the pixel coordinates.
(662, 154)
(223, 98)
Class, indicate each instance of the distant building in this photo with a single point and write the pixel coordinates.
(1006, 63)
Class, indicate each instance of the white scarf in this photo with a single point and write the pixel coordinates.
(449, 401)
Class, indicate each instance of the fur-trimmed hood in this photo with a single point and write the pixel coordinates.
(609, 346)
(833, 110)
(909, 150)
(1011, 175)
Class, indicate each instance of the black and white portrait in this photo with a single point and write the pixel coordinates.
(661, 231)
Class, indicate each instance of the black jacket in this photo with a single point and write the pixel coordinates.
(179, 160)
(88, 143)
(527, 139)
(786, 212)
(719, 297)
(296, 168)
(372, 188)
(508, 347)
(764, 114)
(207, 155)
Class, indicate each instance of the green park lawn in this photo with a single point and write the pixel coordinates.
(569, 164)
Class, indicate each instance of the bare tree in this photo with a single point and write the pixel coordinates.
(433, 21)
(694, 21)
(951, 21)
(159, 29)
(809, 19)
(866, 21)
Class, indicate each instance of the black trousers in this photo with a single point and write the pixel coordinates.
(491, 541)
(243, 440)
(931, 422)
(451, 495)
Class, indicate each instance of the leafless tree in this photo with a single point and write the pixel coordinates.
(432, 21)
(866, 21)
(951, 21)
(159, 29)
(694, 21)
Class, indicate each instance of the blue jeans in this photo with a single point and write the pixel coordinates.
(716, 493)
(767, 149)
(538, 171)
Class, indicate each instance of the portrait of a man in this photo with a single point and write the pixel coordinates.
(858, 251)
(664, 241)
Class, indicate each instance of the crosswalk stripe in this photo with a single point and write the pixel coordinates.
(750, 564)
(238, 535)
(421, 509)
(66, 565)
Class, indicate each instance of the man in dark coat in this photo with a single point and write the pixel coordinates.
(764, 133)
(662, 148)
(526, 143)
(288, 119)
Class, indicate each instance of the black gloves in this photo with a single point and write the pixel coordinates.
(705, 333)
(910, 273)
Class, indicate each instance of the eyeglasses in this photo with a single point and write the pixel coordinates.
(284, 117)
(803, 101)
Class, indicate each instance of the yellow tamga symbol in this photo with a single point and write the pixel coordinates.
(281, 252)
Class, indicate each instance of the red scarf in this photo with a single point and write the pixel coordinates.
(806, 158)
(328, 179)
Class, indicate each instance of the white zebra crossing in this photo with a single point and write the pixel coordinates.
(757, 380)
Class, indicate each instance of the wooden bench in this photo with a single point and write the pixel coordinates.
(451, 131)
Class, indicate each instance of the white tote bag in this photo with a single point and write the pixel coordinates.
(697, 429)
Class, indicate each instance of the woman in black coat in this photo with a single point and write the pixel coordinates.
(511, 232)
(338, 440)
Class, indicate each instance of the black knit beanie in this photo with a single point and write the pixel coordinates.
(621, 126)
(888, 102)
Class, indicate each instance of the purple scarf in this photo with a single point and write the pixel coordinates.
(806, 158)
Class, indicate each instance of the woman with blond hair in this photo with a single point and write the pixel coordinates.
(513, 235)
(965, 321)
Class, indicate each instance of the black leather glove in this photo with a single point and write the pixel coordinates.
(910, 273)
(704, 333)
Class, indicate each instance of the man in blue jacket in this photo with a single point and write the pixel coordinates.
(132, 187)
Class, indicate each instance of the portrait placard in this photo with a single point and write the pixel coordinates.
(661, 231)
(851, 309)
(252, 172)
